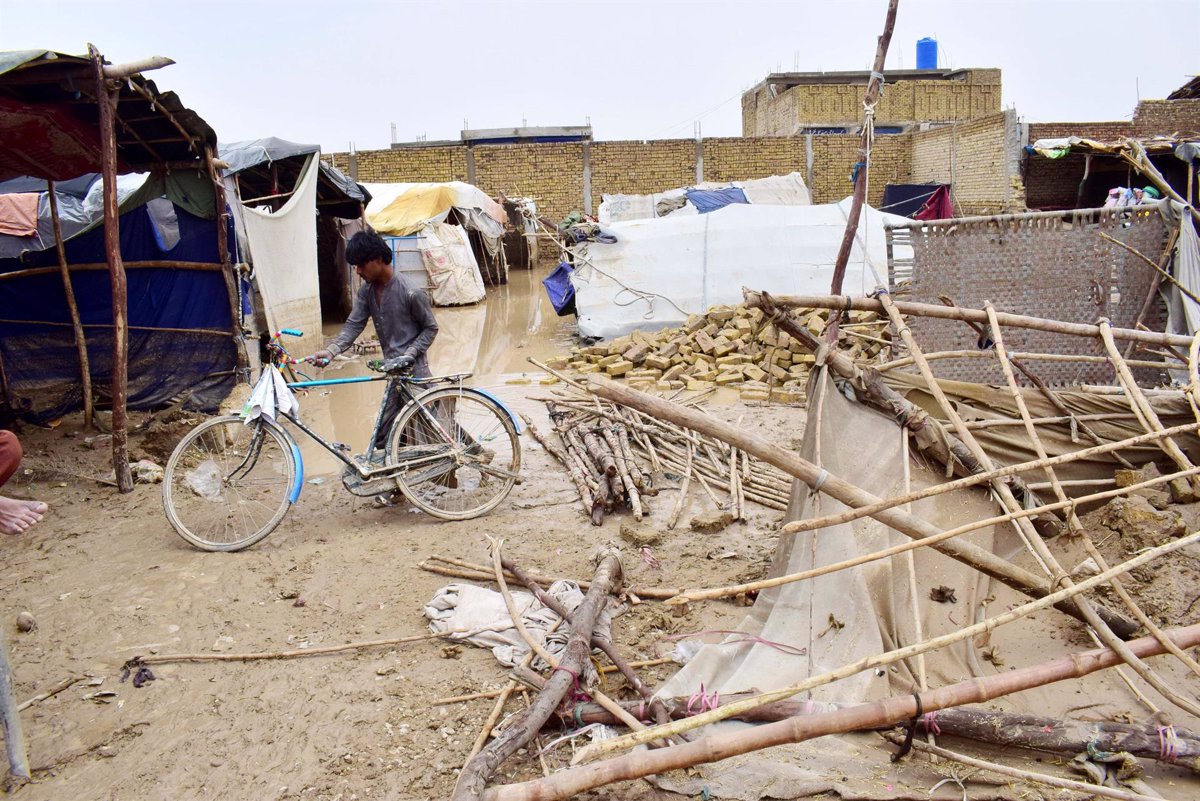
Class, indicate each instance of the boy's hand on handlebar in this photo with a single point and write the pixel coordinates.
(321, 358)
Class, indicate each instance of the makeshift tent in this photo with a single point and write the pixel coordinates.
(57, 125)
(288, 197)
(807, 628)
(660, 271)
(179, 310)
(455, 273)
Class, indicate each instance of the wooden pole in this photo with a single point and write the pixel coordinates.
(570, 782)
(474, 776)
(227, 271)
(754, 300)
(864, 148)
(821, 480)
(85, 370)
(14, 737)
(1152, 292)
(116, 272)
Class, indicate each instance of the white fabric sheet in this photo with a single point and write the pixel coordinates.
(283, 249)
(660, 271)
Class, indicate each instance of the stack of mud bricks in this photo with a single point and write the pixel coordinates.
(728, 346)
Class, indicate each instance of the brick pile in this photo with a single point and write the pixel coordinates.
(728, 346)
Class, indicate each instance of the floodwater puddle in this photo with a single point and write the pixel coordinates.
(492, 340)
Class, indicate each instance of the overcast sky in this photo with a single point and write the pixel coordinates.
(340, 72)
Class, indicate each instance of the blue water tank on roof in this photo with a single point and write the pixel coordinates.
(927, 54)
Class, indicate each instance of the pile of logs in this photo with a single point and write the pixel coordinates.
(729, 346)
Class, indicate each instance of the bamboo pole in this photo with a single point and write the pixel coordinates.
(979, 478)
(472, 779)
(103, 266)
(484, 573)
(908, 361)
(1152, 292)
(753, 300)
(1162, 273)
(85, 370)
(1096, 617)
(864, 148)
(1037, 778)
(683, 488)
(763, 584)
(14, 737)
(112, 246)
(231, 290)
(1077, 528)
(585, 494)
(715, 747)
(820, 479)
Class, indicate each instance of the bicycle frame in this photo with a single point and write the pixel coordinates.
(401, 384)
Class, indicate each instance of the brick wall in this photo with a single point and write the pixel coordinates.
(792, 109)
(1154, 117)
(834, 157)
(642, 168)
(981, 159)
(1055, 268)
(416, 164)
(738, 159)
(550, 172)
(1054, 183)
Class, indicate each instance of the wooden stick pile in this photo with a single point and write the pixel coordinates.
(611, 451)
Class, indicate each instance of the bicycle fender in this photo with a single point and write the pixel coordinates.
(516, 421)
(294, 493)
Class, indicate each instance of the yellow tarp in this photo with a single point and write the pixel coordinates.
(402, 209)
(411, 210)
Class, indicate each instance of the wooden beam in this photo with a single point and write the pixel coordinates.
(118, 71)
(235, 311)
(85, 370)
(133, 265)
(116, 272)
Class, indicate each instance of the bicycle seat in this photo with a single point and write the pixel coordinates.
(390, 366)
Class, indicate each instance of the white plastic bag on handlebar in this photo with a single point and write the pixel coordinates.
(271, 396)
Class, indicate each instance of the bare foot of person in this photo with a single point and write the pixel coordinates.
(17, 516)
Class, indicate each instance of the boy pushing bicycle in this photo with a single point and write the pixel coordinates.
(402, 314)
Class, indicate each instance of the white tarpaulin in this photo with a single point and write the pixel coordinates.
(283, 249)
(775, 190)
(660, 271)
(453, 272)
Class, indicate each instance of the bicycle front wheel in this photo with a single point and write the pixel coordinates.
(227, 484)
(458, 453)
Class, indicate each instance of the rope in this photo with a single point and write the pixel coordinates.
(906, 746)
(1168, 744)
(929, 721)
(700, 702)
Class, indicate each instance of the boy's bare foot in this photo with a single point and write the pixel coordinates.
(17, 516)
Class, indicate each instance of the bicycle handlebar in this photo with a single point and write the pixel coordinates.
(291, 332)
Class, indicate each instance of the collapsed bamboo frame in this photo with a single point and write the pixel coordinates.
(715, 747)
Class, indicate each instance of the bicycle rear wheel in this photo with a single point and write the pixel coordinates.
(227, 484)
(460, 459)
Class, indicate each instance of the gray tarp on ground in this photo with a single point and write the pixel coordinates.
(873, 606)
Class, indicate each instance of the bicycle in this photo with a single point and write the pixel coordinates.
(452, 451)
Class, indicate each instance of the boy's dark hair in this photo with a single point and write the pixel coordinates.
(365, 246)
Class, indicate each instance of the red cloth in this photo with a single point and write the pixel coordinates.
(10, 455)
(19, 214)
(938, 207)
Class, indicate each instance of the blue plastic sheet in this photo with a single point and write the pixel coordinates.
(559, 289)
(706, 200)
(37, 340)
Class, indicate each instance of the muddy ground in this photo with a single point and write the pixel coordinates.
(106, 579)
